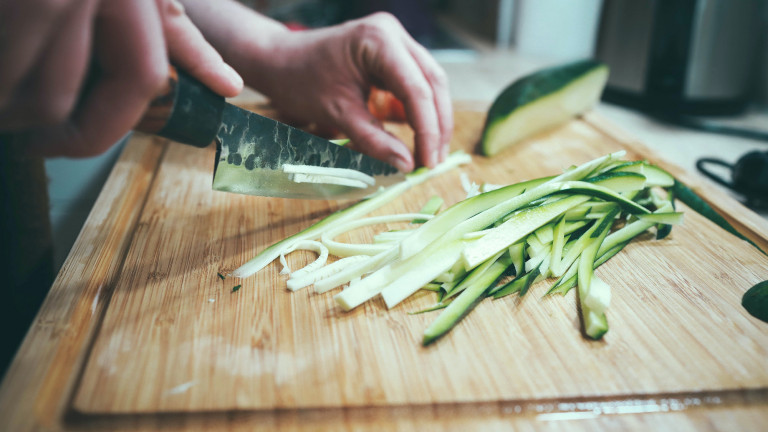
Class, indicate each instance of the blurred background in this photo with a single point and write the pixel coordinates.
(680, 69)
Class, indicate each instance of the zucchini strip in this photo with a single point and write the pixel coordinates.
(341, 173)
(348, 249)
(304, 280)
(357, 210)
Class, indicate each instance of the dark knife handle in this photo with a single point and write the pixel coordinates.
(185, 111)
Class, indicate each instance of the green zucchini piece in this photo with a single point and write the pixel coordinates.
(496, 265)
(437, 306)
(515, 229)
(695, 202)
(540, 101)
(594, 294)
(465, 301)
(668, 218)
(755, 301)
(520, 284)
(430, 208)
(562, 286)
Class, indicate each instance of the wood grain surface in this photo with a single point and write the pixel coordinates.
(176, 349)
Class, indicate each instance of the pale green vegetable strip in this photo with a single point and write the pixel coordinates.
(356, 270)
(304, 280)
(392, 236)
(478, 272)
(350, 249)
(379, 199)
(430, 208)
(464, 302)
(670, 218)
(594, 294)
(558, 242)
(317, 247)
(408, 275)
(515, 229)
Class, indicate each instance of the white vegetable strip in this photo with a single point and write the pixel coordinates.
(356, 270)
(392, 236)
(301, 281)
(326, 179)
(331, 172)
(348, 249)
(403, 277)
(310, 245)
(470, 188)
(384, 196)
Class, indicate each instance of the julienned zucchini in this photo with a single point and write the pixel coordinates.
(561, 226)
(540, 101)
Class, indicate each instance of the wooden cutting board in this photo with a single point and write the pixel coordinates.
(175, 338)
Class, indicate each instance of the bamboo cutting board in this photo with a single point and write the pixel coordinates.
(175, 338)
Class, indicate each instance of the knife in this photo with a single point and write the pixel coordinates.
(253, 152)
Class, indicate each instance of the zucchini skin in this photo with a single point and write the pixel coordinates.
(532, 88)
(755, 301)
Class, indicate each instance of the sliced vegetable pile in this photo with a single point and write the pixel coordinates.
(496, 242)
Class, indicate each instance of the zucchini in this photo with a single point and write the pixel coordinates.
(351, 213)
(540, 101)
(466, 300)
(755, 301)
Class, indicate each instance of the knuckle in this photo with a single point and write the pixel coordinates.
(53, 109)
(439, 78)
(420, 93)
(377, 26)
(149, 80)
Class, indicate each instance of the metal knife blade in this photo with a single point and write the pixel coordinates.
(252, 150)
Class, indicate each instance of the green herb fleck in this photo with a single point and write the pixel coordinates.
(221, 276)
(236, 287)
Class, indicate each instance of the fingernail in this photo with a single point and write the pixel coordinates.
(233, 76)
(433, 158)
(399, 163)
(175, 7)
(446, 149)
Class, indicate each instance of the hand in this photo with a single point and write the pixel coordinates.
(325, 76)
(48, 47)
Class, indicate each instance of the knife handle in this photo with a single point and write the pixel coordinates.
(185, 111)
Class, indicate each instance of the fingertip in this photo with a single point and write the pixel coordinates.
(235, 81)
(403, 163)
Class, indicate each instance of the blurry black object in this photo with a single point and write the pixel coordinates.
(26, 248)
(705, 125)
(749, 176)
(692, 57)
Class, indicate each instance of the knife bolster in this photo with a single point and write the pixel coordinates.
(186, 111)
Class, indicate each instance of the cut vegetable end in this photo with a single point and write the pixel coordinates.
(541, 101)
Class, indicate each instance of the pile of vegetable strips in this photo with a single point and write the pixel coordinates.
(498, 241)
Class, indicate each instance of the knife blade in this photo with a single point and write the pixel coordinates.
(252, 151)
